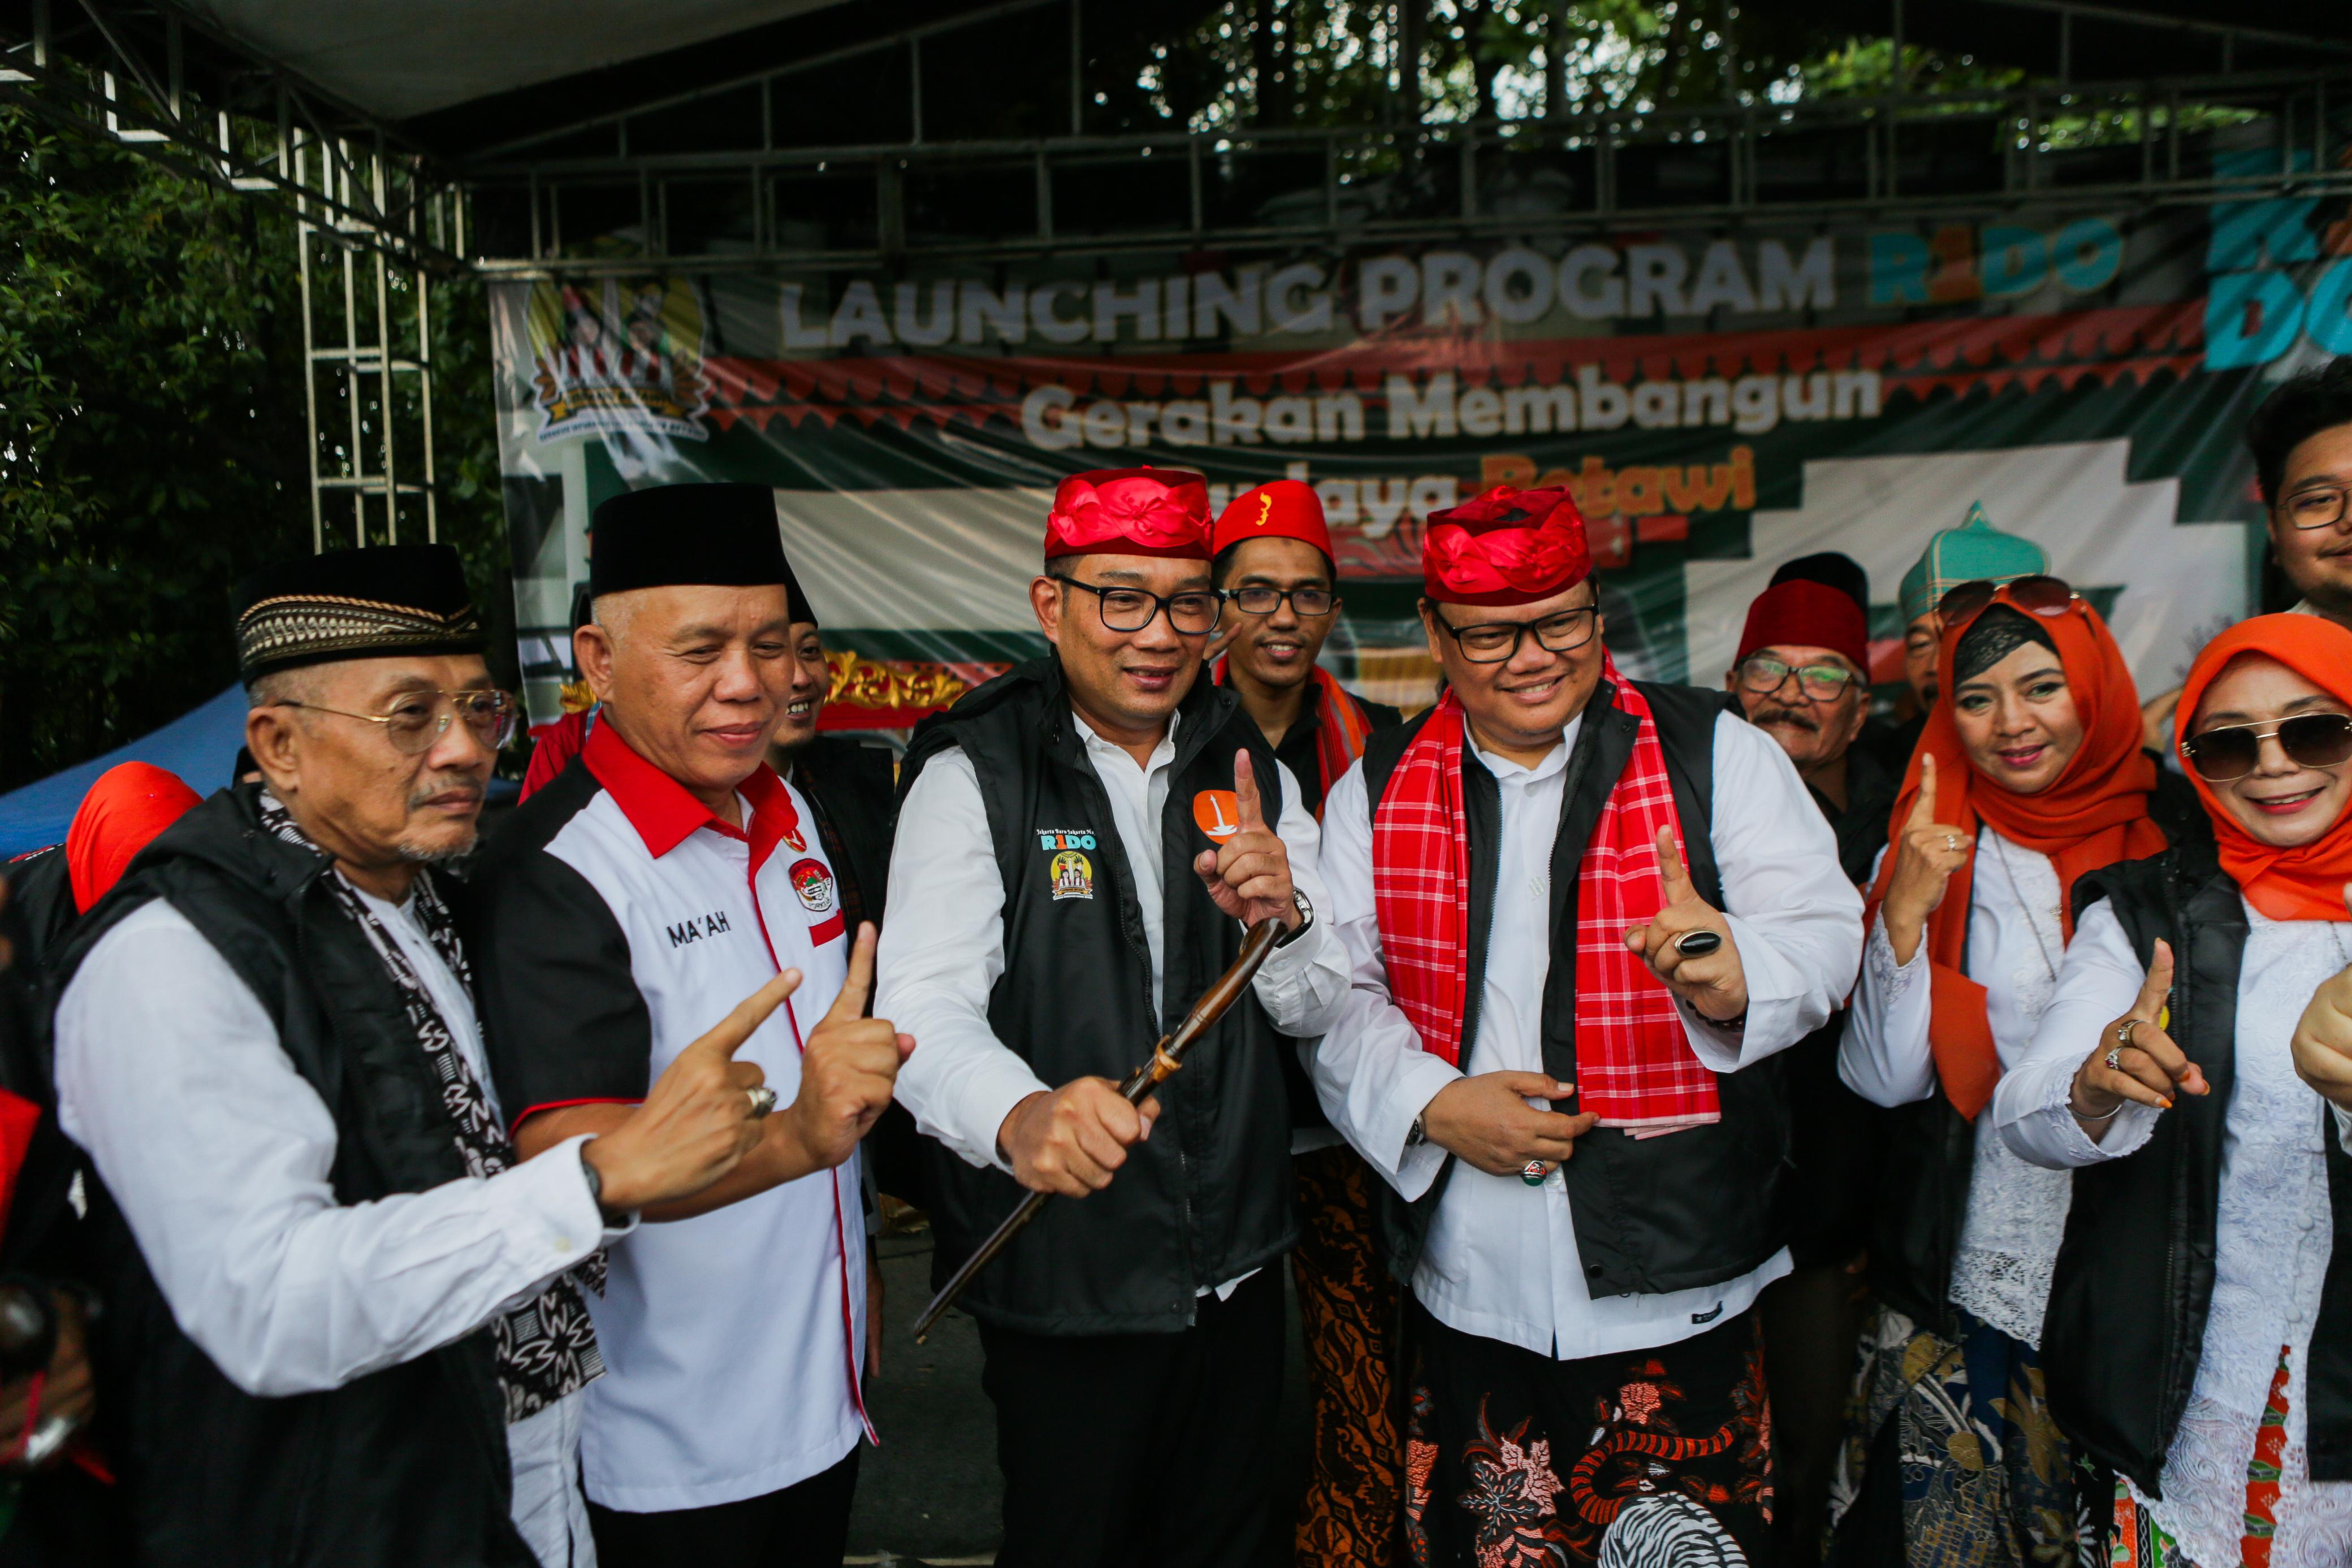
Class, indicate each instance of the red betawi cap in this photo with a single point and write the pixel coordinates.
(1130, 511)
(1800, 615)
(1284, 509)
(1504, 547)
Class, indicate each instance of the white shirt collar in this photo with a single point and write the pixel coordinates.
(1164, 752)
(1504, 770)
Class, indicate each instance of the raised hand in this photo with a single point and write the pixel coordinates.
(1714, 983)
(849, 1065)
(700, 1118)
(1925, 856)
(1488, 1120)
(1070, 1140)
(2322, 1037)
(2135, 1059)
(1249, 874)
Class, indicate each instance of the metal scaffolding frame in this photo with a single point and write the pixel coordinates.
(1880, 156)
(374, 222)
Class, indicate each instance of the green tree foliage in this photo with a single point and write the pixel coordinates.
(152, 437)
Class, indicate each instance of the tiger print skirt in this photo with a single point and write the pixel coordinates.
(1654, 1458)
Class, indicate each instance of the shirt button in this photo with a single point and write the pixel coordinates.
(1592, 1269)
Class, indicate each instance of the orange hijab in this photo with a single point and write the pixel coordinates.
(2094, 814)
(2305, 883)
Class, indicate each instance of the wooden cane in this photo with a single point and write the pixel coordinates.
(1167, 1057)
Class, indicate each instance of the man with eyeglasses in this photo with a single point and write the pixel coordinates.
(345, 1316)
(666, 869)
(1273, 562)
(1584, 914)
(1082, 844)
(2301, 439)
(1799, 677)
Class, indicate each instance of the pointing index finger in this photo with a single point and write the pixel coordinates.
(849, 1002)
(725, 1038)
(2153, 990)
(1252, 819)
(1671, 871)
(1923, 809)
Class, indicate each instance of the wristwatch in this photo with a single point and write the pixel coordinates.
(1305, 919)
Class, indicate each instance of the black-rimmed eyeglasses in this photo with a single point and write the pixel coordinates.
(1192, 614)
(2320, 507)
(1495, 641)
(1310, 603)
(418, 719)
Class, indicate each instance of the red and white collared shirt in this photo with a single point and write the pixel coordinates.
(618, 921)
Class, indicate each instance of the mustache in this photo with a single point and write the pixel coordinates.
(445, 784)
(1796, 718)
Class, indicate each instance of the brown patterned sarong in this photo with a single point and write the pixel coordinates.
(1652, 1458)
(1348, 1308)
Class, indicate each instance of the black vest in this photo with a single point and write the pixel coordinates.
(1208, 1195)
(2126, 1324)
(400, 1466)
(1652, 1214)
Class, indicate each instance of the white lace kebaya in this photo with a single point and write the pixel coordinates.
(2016, 1212)
(2275, 1230)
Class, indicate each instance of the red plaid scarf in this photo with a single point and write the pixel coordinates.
(1341, 727)
(1634, 1068)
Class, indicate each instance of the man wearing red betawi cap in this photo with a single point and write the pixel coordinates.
(1582, 914)
(1274, 563)
(1802, 675)
(1082, 844)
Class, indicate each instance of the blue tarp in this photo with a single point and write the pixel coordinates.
(200, 746)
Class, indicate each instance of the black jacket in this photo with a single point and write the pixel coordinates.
(1915, 1228)
(1652, 1214)
(398, 1467)
(1208, 1196)
(2126, 1325)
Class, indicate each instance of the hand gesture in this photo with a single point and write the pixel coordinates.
(1249, 873)
(2322, 1037)
(1925, 856)
(701, 1119)
(2135, 1059)
(849, 1065)
(1714, 983)
(1488, 1120)
(1071, 1139)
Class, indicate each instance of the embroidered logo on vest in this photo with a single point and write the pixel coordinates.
(1073, 876)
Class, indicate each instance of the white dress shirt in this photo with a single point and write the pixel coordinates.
(170, 1074)
(2016, 1212)
(943, 950)
(1501, 1258)
(2273, 1229)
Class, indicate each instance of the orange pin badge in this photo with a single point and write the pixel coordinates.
(1218, 813)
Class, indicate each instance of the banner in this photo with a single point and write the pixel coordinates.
(1720, 402)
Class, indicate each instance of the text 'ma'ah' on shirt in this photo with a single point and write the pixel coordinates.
(1501, 1259)
(621, 921)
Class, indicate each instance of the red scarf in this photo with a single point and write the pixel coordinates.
(2094, 814)
(1341, 727)
(1634, 1067)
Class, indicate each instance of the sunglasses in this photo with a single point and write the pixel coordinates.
(2234, 750)
(2037, 595)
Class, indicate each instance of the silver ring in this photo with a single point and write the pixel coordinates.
(2124, 1032)
(2113, 1058)
(763, 1100)
(1951, 840)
